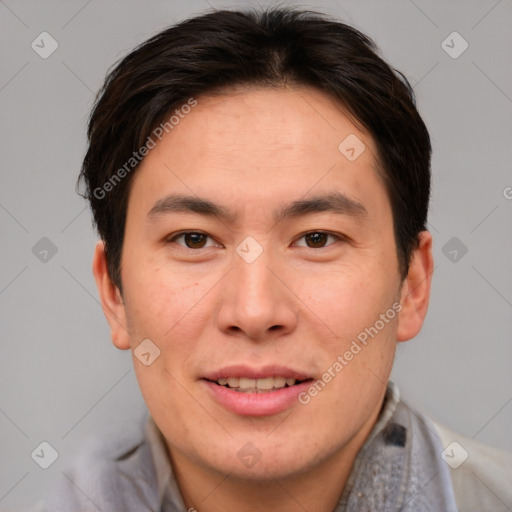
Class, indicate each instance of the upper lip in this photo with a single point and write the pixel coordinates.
(240, 370)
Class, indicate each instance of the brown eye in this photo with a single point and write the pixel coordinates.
(318, 239)
(195, 240)
(192, 240)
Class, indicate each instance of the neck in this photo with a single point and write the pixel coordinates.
(319, 488)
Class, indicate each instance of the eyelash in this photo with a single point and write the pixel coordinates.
(174, 237)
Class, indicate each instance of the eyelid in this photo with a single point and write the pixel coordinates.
(338, 236)
(172, 237)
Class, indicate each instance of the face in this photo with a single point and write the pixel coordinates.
(257, 254)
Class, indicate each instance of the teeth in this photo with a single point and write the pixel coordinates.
(280, 382)
(266, 383)
(247, 383)
(244, 384)
(233, 382)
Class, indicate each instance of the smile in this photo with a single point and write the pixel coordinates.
(262, 385)
(249, 391)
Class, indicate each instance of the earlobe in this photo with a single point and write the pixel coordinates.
(415, 292)
(111, 299)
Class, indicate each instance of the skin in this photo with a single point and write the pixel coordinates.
(253, 150)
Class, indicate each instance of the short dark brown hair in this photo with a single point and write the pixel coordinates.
(268, 48)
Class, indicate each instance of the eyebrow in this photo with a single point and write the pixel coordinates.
(334, 202)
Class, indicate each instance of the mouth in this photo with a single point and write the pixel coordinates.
(262, 385)
(248, 391)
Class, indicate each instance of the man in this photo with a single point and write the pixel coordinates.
(260, 184)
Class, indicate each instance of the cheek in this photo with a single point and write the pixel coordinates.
(348, 299)
(157, 298)
(167, 310)
(169, 307)
(360, 348)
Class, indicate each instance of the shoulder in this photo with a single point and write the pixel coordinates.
(481, 475)
(106, 474)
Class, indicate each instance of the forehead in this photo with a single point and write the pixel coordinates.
(254, 144)
(273, 122)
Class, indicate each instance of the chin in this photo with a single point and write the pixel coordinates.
(261, 460)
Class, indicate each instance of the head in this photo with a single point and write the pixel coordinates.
(260, 183)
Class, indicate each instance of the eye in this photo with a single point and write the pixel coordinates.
(192, 240)
(318, 239)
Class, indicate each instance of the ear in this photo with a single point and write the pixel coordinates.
(415, 293)
(111, 299)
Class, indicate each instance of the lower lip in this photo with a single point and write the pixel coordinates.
(257, 404)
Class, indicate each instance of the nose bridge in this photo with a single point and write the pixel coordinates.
(253, 283)
(255, 301)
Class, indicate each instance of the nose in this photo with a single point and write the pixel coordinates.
(257, 301)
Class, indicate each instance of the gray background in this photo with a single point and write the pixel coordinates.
(61, 378)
